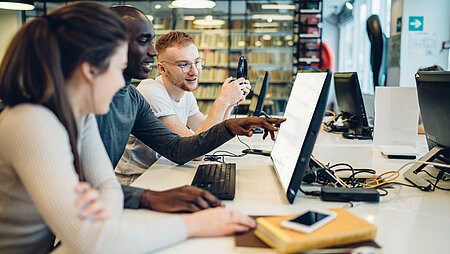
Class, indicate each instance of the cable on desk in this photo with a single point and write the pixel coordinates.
(440, 188)
(428, 173)
(310, 193)
(385, 192)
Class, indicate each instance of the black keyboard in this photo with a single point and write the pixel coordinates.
(219, 179)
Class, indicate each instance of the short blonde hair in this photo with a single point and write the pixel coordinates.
(176, 39)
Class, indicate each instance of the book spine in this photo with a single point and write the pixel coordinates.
(327, 241)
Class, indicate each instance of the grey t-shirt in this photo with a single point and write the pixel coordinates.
(130, 113)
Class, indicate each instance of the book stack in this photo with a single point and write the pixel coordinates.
(213, 75)
(278, 92)
(207, 92)
(284, 76)
(214, 57)
(345, 229)
(269, 58)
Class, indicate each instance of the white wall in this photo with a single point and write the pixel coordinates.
(9, 21)
(423, 49)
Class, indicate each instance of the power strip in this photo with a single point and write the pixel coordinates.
(349, 194)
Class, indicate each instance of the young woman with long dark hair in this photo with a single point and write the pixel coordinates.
(58, 71)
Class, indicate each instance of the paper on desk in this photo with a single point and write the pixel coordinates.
(396, 116)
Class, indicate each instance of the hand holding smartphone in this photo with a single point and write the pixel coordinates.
(309, 220)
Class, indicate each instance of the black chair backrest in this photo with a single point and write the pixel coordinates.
(377, 50)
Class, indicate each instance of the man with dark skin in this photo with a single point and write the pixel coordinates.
(130, 113)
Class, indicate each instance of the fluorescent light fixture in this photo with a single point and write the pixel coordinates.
(241, 43)
(157, 6)
(150, 17)
(278, 7)
(17, 5)
(258, 43)
(269, 19)
(159, 26)
(273, 24)
(265, 30)
(349, 5)
(189, 17)
(267, 37)
(209, 17)
(193, 4)
(212, 22)
(274, 16)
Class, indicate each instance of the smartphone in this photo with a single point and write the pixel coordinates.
(309, 220)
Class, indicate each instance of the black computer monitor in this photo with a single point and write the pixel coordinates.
(259, 95)
(297, 135)
(351, 104)
(433, 92)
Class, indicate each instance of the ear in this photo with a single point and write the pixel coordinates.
(161, 68)
(89, 71)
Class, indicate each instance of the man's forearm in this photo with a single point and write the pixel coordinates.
(216, 115)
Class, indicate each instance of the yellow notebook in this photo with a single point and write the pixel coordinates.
(346, 228)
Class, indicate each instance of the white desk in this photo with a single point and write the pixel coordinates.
(411, 221)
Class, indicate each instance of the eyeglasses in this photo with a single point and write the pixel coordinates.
(187, 66)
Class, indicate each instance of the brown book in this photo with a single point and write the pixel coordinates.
(249, 242)
(345, 229)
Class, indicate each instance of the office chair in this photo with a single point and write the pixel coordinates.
(377, 50)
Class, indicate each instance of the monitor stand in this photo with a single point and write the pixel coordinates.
(411, 173)
(259, 131)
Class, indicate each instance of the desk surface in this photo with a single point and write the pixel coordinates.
(408, 220)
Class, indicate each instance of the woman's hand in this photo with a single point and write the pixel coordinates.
(89, 204)
(217, 221)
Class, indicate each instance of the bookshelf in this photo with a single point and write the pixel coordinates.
(264, 36)
(307, 34)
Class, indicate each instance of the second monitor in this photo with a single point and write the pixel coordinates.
(351, 105)
(258, 97)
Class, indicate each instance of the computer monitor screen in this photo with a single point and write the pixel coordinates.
(433, 91)
(350, 101)
(296, 137)
(259, 95)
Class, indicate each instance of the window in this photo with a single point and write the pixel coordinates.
(354, 45)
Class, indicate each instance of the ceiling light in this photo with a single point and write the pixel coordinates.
(274, 17)
(265, 30)
(273, 24)
(158, 6)
(22, 5)
(209, 18)
(189, 18)
(267, 37)
(278, 7)
(212, 22)
(159, 26)
(193, 4)
(349, 5)
(269, 19)
(150, 17)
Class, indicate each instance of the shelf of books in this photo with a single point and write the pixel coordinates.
(232, 29)
(307, 34)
